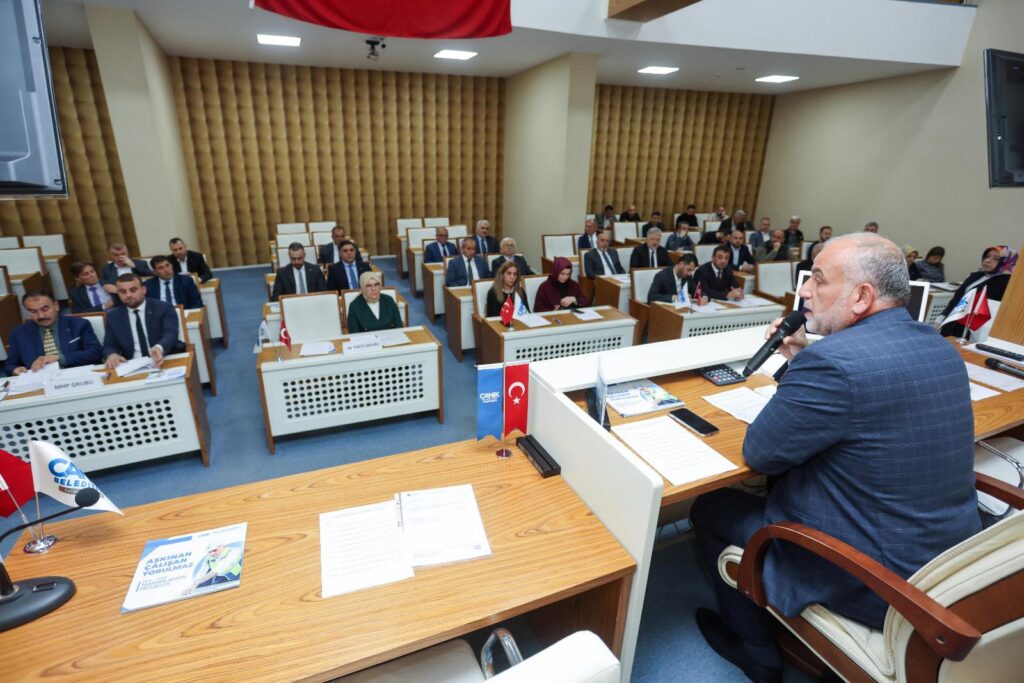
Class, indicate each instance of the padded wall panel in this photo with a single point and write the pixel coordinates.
(662, 149)
(267, 144)
(96, 212)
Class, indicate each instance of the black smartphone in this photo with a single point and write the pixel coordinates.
(694, 422)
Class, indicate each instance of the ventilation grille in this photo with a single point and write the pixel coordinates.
(567, 348)
(347, 391)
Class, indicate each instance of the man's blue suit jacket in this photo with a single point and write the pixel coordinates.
(184, 287)
(75, 338)
(871, 434)
(457, 276)
(161, 328)
(434, 254)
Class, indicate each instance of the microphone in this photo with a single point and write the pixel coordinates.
(790, 324)
(1005, 367)
(26, 600)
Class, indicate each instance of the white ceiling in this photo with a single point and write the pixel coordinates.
(226, 29)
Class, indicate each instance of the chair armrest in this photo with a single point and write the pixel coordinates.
(946, 632)
(997, 488)
(581, 657)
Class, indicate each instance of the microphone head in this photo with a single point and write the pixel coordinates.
(86, 497)
(992, 363)
(792, 322)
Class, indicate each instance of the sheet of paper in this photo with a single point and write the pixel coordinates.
(533, 320)
(709, 307)
(768, 391)
(979, 392)
(624, 279)
(393, 338)
(587, 314)
(945, 286)
(994, 378)
(772, 365)
(443, 525)
(668, 447)
(130, 367)
(999, 344)
(72, 373)
(320, 348)
(362, 547)
(168, 375)
(750, 301)
(741, 403)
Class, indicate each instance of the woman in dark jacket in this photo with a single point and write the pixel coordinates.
(559, 291)
(506, 284)
(370, 311)
(997, 265)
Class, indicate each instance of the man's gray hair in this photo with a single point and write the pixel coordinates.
(654, 231)
(739, 212)
(508, 240)
(877, 261)
(796, 218)
(483, 221)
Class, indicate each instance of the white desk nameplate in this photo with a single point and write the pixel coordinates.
(75, 385)
(362, 345)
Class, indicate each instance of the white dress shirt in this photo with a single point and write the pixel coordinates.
(374, 308)
(183, 264)
(121, 270)
(735, 256)
(606, 261)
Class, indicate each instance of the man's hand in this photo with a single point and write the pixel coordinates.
(792, 344)
(109, 303)
(735, 294)
(747, 267)
(42, 361)
(20, 370)
(157, 354)
(705, 300)
(110, 288)
(567, 301)
(126, 261)
(113, 360)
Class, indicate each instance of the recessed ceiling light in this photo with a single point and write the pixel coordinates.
(287, 41)
(777, 79)
(660, 70)
(455, 54)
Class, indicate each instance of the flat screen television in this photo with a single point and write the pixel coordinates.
(1004, 104)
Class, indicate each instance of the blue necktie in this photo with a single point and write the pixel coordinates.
(352, 280)
(167, 292)
(95, 295)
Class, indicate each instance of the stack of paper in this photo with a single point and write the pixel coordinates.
(319, 348)
(709, 307)
(999, 380)
(130, 367)
(624, 279)
(750, 301)
(675, 453)
(587, 314)
(979, 393)
(741, 403)
(533, 320)
(945, 286)
(393, 338)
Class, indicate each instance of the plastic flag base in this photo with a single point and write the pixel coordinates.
(40, 545)
(503, 453)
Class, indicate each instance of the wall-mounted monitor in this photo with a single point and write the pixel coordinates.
(1004, 104)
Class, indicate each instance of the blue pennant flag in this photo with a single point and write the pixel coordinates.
(489, 392)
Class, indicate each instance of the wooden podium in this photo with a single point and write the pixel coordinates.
(1009, 322)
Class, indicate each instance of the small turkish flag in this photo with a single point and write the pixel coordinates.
(980, 313)
(15, 482)
(286, 338)
(696, 296)
(517, 394)
(508, 310)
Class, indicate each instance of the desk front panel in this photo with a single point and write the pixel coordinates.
(215, 313)
(433, 289)
(570, 337)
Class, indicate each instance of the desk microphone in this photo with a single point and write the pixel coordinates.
(26, 600)
(1005, 367)
(790, 324)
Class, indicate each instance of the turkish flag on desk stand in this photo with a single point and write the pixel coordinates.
(980, 313)
(286, 338)
(517, 394)
(508, 310)
(15, 483)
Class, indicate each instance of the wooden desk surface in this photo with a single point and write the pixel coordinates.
(995, 414)
(565, 319)
(546, 544)
(417, 335)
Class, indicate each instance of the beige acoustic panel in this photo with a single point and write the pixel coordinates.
(267, 144)
(662, 149)
(96, 212)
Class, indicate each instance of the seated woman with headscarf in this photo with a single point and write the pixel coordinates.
(506, 284)
(559, 291)
(997, 264)
(370, 311)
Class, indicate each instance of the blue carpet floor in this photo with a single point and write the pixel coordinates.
(670, 647)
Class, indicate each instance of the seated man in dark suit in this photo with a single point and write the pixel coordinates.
(794, 236)
(739, 256)
(688, 218)
(508, 253)
(655, 222)
(186, 261)
(878, 461)
(602, 261)
(50, 338)
(91, 295)
(298, 277)
(715, 277)
(345, 273)
(141, 327)
(172, 288)
(737, 221)
(485, 244)
(676, 283)
(630, 215)
(441, 247)
(330, 253)
(470, 266)
(588, 240)
(120, 264)
(651, 254)
(606, 220)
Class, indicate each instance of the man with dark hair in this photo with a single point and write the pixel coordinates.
(655, 222)
(464, 270)
(740, 257)
(186, 261)
(716, 278)
(688, 217)
(298, 277)
(871, 226)
(669, 284)
(121, 263)
(142, 327)
(172, 288)
(345, 273)
(606, 220)
(50, 337)
(330, 253)
(91, 295)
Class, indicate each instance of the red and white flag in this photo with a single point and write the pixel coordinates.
(15, 483)
(508, 310)
(285, 338)
(980, 313)
(697, 296)
(517, 394)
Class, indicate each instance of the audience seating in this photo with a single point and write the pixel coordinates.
(348, 295)
(435, 222)
(26, 270)
(322, 226)
(531, 283)
(640, 287)
(282, 255)
(98, 322)
(284, 240)
(311, 317)
(553, 246)
(774, 279)
(321, 238)
(625, 231)
(290, 228)
(703, 252)
(1002, 458)
(711, 226)
(9, 243)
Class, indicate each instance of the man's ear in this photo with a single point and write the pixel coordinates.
(863, 299)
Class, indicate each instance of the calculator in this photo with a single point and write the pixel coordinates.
(720, 375)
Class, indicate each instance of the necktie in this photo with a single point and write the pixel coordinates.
(592, 245)
(140, 330)
(94, 295)
(49, 344)
(654, 261)
(609, 269)
(300, 278)
(168, 294)
(483, 245)
(469, 270)
(353, 281)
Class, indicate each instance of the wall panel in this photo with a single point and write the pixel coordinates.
(662, 149)
(96, 212)
(268, 144)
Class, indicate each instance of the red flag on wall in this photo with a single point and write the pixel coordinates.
(15, 482)
(402, 18)
(517, 394)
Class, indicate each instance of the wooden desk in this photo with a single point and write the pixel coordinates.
(610, 291)
(126, 421)
(399, 242)
(199, 337)
(319, 392)
(414, 259)
(996, 414)
(667, 322)
(216, 314)
(569, 337)
(458, 319)
(433, 289)
(10, 317)
(552, 559)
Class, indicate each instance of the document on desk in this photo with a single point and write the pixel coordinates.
(587, 314)
(677, 455)
(993, 378)
(623, 279)
(945, 286)
(362, 547)
(709, 307)
(320, 348)
(394, 338)
(772, 365)
(130, 367)
(741, 403)
(750, 301)
(443, 525)
(979, 393)
(533, 320)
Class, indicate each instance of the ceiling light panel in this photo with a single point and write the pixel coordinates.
(455, 54)
(776, 79)
(286, 41)
(659, 70)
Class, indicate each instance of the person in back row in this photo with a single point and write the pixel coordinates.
(606, 220)
(688, 218)
(651, 254)
(679, 240)
(775, 250)
(630, 215)
(298, 277)
(738, 221)
(931, 268)
(508, 253)
(371, 310)
(507, 283)
(739, 257)
(676, 284)
(49, 337)
(330, 253)
(763, 235)
(910, 253)
(716, 277)
(467, 268)
(90, 296)
(602, 261)
(347, 272)
(655, 222)
(588, 240)
(186, 261)
(484, 243)
(172, 288)
(440, 247)
(559, 291)
(121, 263)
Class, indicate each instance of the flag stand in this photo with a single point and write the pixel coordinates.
(967, 325)
(504, 451)
(21, 513)
(42, 541)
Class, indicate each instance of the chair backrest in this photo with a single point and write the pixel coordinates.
(747, 234)
(641, 279)
(414, 236)
(435, 221)
(320, 226)
(321, 238)
(9, 243)
(805, 249)
(553, 246)
(531, 283)
(664, 237)
(282, 255)
(5, 282)
(623, 231)
(402, 223)
(182, 327)
(458, 231)
(52, 245)
(290, 228)
(701, 217)
(694, 236)
(775, 277)
(703, 252)
(301, 238)
(624, 255)
(311, 317)
(349, 295)
(711, 226)
(23, 261)
(480, 289)
(98, 322)
(447, 260)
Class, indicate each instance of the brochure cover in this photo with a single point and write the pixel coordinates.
(641, 396)
(173, 569)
